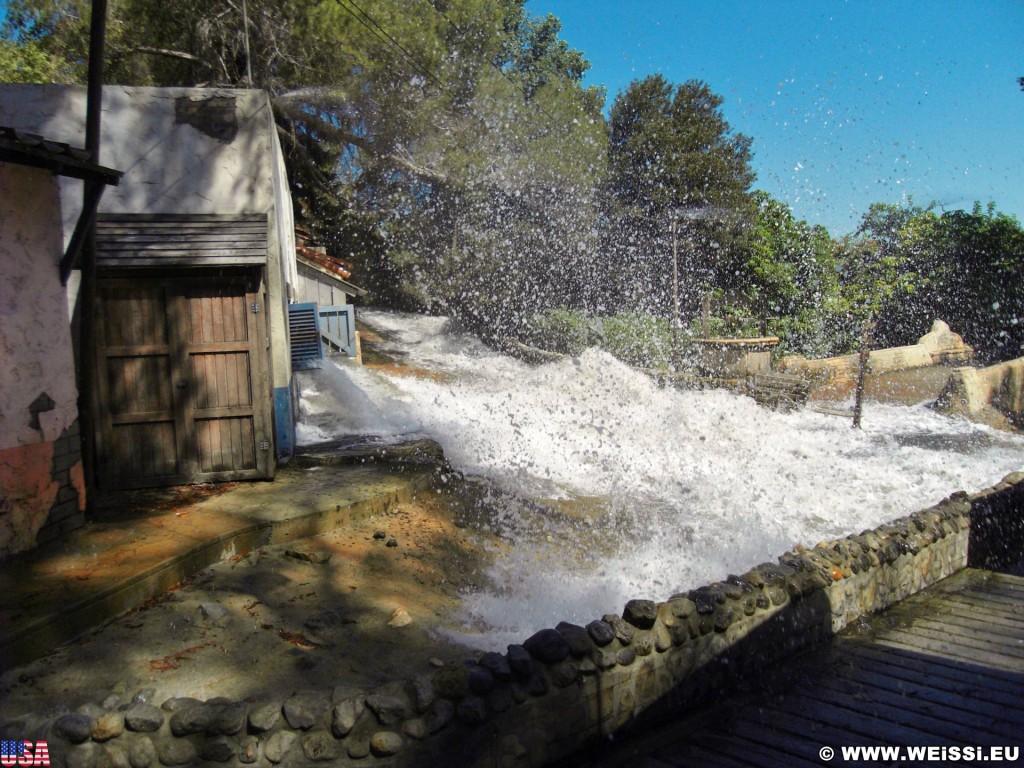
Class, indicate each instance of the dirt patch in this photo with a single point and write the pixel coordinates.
(405, 369)
(378, 356)
(127, 504)
(360, 606)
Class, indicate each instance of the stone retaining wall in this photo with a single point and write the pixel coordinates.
(565, 687)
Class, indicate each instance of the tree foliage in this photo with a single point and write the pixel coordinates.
(911, 266)
(426, 141)
(786, 271)
(27, 52)
(27, 62)
(450, 149)
(672, 156)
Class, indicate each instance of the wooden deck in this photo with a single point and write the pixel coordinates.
(944, 668)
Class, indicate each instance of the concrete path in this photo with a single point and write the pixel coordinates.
(944, 669)
(139, 544)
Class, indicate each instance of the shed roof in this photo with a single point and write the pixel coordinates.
(180, 240)
(24, 148)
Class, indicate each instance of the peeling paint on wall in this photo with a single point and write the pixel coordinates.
(77, 478)
(27, 493)
(42, 485)
(214, 116)
(42, 492)
(38, 396)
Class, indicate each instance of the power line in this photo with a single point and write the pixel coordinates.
(382, 34)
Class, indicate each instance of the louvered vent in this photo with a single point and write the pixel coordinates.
(307, 348)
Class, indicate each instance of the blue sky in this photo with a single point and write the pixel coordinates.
(848, 103)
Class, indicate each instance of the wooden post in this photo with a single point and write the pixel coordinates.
(87, 287)
(862, 366)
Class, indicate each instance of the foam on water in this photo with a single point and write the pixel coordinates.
(692, 485)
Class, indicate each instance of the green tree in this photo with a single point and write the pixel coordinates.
(981, 294)
(532, 52)
(787, 271)
(26, 55)
(888, 269)
(909, 266)
(27, 63)
(672, 155)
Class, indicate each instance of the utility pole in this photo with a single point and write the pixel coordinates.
(676, 356)
(87, 372)
(248, 58)
(862, 369)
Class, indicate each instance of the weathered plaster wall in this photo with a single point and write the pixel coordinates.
(40, 466)
(836, 377)
(999, 388)
(841, 372)
(177, 159)
(169, 164)
(734, 358)
(565, 687)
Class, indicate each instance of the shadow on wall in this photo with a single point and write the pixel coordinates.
(997, 530)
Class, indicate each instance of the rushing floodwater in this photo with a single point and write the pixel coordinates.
(687, 486)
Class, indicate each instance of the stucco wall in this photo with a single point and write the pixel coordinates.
(177, 158)
(169, 165)
(836, 377)
(40, 463)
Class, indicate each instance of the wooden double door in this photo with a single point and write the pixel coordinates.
(182, 381)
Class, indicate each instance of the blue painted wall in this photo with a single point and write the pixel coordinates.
(284, 424)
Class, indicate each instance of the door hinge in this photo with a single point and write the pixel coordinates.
(255, 307)
(264, 445)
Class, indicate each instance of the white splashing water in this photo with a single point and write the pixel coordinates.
(693, 484)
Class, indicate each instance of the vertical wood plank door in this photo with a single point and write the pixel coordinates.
(139, 437)
(183, 389)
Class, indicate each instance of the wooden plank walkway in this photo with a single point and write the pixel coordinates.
(944, 668)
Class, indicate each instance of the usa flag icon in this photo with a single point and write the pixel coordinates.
(11, 749)
(24, 754)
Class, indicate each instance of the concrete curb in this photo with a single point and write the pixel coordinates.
(37, 637)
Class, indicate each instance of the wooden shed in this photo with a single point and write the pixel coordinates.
(183, 391)
(195, 259)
